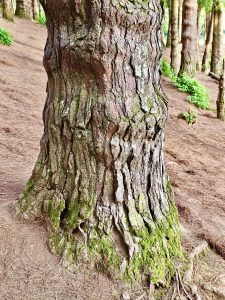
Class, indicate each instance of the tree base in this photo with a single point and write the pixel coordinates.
(157, 248)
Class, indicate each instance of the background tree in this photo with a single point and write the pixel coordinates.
(24, 9)
(217, 44)
(7, 9)
(100, 180)
(174, 55)
(208, 41)
(189, 37)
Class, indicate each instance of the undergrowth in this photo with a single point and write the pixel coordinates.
(198, 94)
(5, 37)
(41, 19)
(189, 116)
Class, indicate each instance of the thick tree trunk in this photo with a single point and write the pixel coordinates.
(100, 180)
(24, 9)
(7, 9)
(189, 37)
(217, 51)
(174, 55)
(208, 43)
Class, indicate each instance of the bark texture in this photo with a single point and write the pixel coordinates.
(100, 180)
(24, 9)
(189, 37)
(35, 9)
(7, 9)
(217, 51)
(174, 35)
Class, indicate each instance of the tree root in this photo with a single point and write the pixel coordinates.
(183, 287)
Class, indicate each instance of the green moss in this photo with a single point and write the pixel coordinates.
(158, 250)
(102, 250)
(55, 209)
(25, 200)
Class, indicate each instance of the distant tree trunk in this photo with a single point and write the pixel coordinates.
(168, 42)
(208, 42)
(198, 64)
(100, 180)
(221, 96)
(7, 9)
(180, 20)
(24, 9)
(217, 55)
(189, 37)
(35, 9)
(174, 55)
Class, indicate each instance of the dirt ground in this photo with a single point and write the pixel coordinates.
(195, 161)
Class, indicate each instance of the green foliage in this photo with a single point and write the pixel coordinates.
(198, 95)
(5, 37)
(42, 19)
(189, 116)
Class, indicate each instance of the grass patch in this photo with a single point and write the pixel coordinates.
(198, 94)
(189, 116)
(5, 37)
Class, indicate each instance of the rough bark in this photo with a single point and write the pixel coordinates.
(24, 9)
(100, 180)
(174, 55)
(7, 9)
(208, 43)
(217, 51)
(189, 37)
(221, 96)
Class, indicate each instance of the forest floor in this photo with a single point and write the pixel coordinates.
(195, 159)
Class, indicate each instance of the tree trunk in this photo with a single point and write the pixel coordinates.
(168, 42)
(24, 9)
(208, 43)
(198, 64)
(180, 20)
(7, 9)
(35, 9)
(221, 96)
(189, 37)
(217, 55)
(100, 180)
(174, 36)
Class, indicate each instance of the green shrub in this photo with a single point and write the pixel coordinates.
(189, 116)
(5, 37)
(42, 19)
(198, 94)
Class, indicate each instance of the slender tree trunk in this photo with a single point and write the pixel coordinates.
(168, 42)
(198, 64)
(174, 55)
(24, 9)
(35, 9)
(208, 43)
(189, 37)
(180, 19)
(217, 55)
(100, 180)
(221, 96)
(7, 9)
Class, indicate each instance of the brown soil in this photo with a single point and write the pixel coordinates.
(194, 157)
